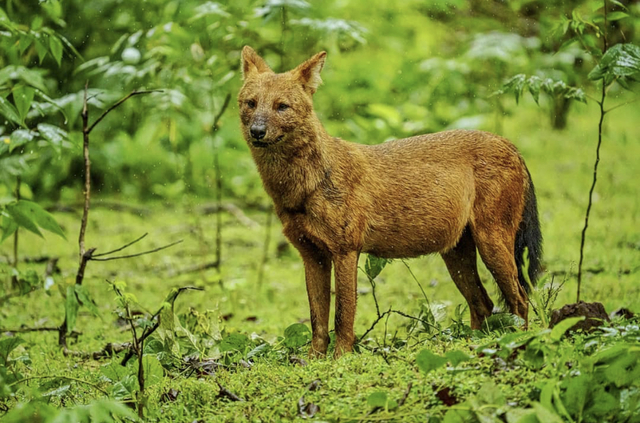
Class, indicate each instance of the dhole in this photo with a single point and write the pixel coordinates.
(448, 193)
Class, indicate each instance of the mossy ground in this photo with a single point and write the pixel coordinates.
(561, 163)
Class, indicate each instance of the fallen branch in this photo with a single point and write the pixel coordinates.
(108, 350)
(233, 210)
(225, 393)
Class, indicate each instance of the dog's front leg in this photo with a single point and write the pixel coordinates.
(346, 270)
(317, 270)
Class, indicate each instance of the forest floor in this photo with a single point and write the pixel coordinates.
(237, 350)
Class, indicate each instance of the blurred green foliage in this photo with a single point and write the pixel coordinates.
(396, 70)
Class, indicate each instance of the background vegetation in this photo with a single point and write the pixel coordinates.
(172, 163)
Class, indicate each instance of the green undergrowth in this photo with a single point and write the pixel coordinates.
(237, 350)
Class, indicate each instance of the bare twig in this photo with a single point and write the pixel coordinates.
(24, 330)
(121, 248)
(225, 393)
(406, 395)
(110, 109)
(93, 385)
(155, 250)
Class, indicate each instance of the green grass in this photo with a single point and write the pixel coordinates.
(561, 166)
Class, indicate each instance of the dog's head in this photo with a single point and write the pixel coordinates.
(274, 108)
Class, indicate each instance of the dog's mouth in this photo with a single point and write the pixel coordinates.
(262, 144)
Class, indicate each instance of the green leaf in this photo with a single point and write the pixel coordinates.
(562, 327)
(53, 134)
(56, 48)
(490, 393)
(35, 213)
(616, 16)
(9, 227)
(108, 411)
(19, 138)
(374, 265)
(428, 361)
(71, 308)
(42, 50)
(575, 394)
(86, 300)
(7, 345)
(621, 62)
(296, 335)
(377, 399)
(114, 371)
(153, 371)
(22, 220)
(234, 342)
(23, 97)
(456, 357)
(9, 111)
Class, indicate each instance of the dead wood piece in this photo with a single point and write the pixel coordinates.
(233, 210)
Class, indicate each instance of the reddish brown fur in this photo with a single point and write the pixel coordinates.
(446, 193)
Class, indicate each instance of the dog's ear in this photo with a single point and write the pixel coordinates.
(308, 73)
(252, 64)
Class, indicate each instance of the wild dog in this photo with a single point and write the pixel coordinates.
(450, 193)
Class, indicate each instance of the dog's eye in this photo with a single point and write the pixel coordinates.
(282, 107)
(251, 104)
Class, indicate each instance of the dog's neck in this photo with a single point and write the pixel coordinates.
(292, 171)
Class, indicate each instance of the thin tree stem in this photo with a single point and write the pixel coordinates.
(605, 46)
(593, 185)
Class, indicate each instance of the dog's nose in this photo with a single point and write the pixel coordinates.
(258, 131)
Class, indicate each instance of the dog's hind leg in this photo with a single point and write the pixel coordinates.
(462, 265)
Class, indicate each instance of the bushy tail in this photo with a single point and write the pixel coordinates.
(529, 237)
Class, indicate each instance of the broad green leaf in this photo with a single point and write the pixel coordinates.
(428, 361)
(575, 394)
(9, 226)
(296, 335)
(53, 134)
(620, 62)
(616, 16)
(71, 308)
(41, 50)
(9, 111)
(39, 216)
(23, 97)
(374, 265)
(562, 327)
(377, 399)
(23, 220)
(126, 387)
(114, 371)
(602, 403)
(86, 300)
(456, 357)
(545, 415)
(153, 371)
(490, 393)
(19, 138)
(108, 411)
(7, 345)
(234, 342)
(56, 48)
